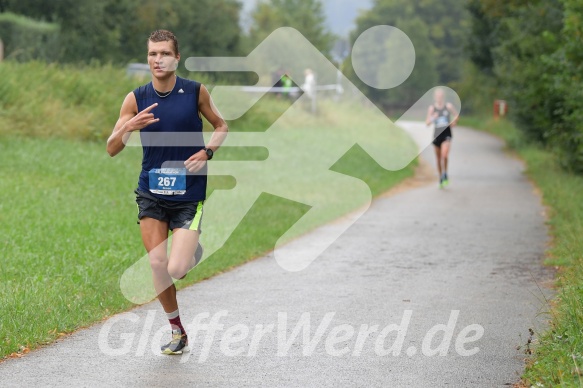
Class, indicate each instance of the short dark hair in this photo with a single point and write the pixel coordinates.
(164, 36)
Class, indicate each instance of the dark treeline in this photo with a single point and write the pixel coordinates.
(437, 28)
(527, 52)
(532, 52)
(115, 31)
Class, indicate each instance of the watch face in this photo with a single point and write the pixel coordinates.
(209, 153)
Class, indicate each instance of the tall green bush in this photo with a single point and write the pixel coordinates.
(534, 50)
(27, 39)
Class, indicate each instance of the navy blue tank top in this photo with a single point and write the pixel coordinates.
(170, 141)
(442, 120)
(443, 114)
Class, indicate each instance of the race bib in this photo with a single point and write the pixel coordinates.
(168, 181)
(441, 121)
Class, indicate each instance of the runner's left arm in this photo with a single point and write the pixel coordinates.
(208, 109)
(453, 112)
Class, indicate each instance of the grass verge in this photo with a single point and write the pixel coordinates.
(558, 355)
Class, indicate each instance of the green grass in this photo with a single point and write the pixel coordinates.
(43, 100)
(67, 214)
(558, 356)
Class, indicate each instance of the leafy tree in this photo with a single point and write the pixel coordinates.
(528, 35)
(25, 38)
(116, 30)
(88, 31)
(437, 30)
(446, 22)
(482, 37)
(384, 63)
(203, 27)
(569, 81)
(35, 9)
(534, 50)
(306, 16)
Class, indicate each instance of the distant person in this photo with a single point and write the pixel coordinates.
(309, 85)
(440, 114)
(309, 88)
(169, 199)
(276, 79)
(287, 84)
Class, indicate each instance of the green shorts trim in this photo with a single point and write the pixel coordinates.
(183, 215)
(197, 220)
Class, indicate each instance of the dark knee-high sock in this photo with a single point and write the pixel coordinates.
(174, 319)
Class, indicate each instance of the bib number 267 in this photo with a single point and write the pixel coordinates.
(168, 181)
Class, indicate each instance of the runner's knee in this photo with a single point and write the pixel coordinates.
(158, 261)
(177, 269)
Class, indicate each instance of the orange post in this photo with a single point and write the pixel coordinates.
(500, 108)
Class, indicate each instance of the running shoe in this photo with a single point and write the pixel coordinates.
(178, 345)
(445, 181)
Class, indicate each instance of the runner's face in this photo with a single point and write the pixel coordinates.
(439, 97)
(162, 59)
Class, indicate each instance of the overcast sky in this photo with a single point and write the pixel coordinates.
(340, 14)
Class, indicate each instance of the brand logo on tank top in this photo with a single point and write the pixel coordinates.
(181, 91)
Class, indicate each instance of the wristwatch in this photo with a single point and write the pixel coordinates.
(209, 153)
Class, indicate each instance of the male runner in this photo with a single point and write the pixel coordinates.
(440, 114)
(169, 199)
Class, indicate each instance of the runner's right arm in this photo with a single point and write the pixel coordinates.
(129, 120)
(430, 115)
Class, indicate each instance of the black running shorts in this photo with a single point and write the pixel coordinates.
(445, 135)
(185, 215)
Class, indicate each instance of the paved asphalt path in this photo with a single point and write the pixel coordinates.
(467, 258)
